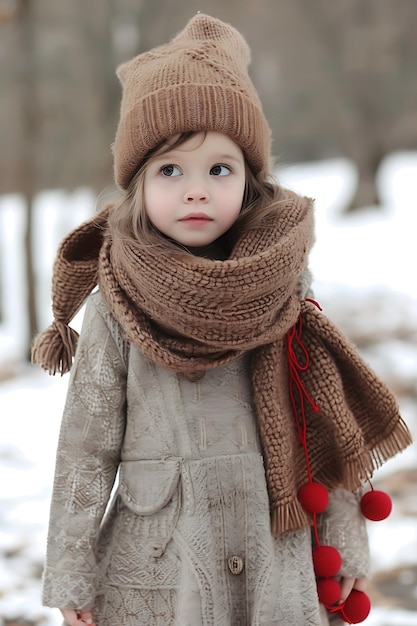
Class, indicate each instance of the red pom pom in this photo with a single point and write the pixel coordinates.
(313, 497)
(329, 591)
(327, 561)
(376, 505)
(356, 607)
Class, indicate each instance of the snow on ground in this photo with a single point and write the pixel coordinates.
(364, 267)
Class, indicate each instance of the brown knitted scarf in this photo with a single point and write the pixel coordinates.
(191, 314)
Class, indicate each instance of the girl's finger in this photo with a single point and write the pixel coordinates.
(346, 585)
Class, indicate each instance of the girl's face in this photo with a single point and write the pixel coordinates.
(193, 194)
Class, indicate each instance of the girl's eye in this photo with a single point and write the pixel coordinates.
(220, 170)
(170, 170)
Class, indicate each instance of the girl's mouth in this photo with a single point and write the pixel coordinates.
(196, 219)
(196, 216)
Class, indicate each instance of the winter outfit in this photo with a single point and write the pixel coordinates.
(191, 496)
(181, 381)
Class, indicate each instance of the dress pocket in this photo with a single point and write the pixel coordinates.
(146, 487)
(138, 536)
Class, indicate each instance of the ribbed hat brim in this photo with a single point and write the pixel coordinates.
(181, 108)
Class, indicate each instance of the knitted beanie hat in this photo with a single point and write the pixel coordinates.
(198, 81)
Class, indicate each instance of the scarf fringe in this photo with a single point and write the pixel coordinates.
(360, 469)
(392, 444)
(54, 348)
(288, 517)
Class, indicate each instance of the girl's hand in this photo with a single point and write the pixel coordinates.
(78, 618)
(347, 584)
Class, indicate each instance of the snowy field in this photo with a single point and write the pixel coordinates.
(364, 266)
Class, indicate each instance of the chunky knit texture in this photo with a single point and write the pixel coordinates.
(199, 81)
(191, 314)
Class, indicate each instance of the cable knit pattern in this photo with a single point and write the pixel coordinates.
(191, 494)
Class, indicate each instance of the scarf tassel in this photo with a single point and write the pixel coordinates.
(287, 517)
(54, 348)
(361, 469)
(393, 443)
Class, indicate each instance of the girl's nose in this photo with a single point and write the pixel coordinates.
(196, 194)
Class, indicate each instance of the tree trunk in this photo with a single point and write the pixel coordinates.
(32, 317)
(366, 193)
(28, 154)
(367, 162)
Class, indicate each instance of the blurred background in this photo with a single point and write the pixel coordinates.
(338, 82)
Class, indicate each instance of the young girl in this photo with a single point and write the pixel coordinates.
(203, 377)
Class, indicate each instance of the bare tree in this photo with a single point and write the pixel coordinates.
(28, 154)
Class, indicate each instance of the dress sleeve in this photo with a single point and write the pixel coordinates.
(343, 526)
(87, 460)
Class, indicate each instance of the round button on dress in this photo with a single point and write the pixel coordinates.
(235, 564)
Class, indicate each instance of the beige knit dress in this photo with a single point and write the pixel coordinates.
(186, 540)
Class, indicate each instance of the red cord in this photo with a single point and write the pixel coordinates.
(299, 394)
(314, 302)
(296, 386)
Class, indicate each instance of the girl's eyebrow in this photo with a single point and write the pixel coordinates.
(173, 154)
(228, 157)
